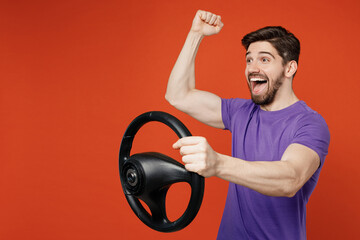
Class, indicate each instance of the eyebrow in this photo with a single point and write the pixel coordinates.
(262, 52)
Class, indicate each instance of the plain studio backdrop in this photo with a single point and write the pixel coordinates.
(75, 73)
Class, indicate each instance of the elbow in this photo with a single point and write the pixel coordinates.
(292, 182)
(177, 101)
(170, 96)
(287, 191)
(170, 99)
(289, 194)
(292, 186)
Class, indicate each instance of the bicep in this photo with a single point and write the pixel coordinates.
(303, 160)
(205, 107)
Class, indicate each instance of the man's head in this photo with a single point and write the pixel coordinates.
(272, 54)
(286, 44)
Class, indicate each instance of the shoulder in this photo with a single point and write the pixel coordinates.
(308, 116)
(235, 104)
(312, 130)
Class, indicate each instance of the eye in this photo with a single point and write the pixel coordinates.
(265, 60)
(248, 60)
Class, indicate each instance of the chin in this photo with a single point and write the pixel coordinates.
(258, 101)
(263, 99)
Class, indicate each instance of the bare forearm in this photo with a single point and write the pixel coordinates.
(182, 77)
(275, 178)
(281, 178)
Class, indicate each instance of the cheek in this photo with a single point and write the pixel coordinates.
(276, 71)
(246, 72)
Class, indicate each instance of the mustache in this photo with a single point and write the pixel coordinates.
(259, 75)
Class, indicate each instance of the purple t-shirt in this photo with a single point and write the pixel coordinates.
(259, 135)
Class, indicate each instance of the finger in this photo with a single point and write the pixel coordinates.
(213, 19)
(186, 150)
(187, 159)
(218, 22)
(195, 168)
(208, 17)
(202, 15)
(191, 167)
(191, 158)
(192, 140)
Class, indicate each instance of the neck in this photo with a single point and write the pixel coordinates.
(284, 98)
(276, 106)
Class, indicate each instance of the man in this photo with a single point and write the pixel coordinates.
(278, 143)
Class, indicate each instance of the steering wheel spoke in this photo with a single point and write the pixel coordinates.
(156, 203)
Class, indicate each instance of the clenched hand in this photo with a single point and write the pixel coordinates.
(206, 23)
(198, 156)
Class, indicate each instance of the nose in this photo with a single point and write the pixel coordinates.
(252, 67)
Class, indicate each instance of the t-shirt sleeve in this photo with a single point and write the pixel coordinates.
(229, 107)
(313, 133)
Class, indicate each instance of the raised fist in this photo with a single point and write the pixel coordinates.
(206, 23)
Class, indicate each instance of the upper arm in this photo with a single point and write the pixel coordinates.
(203, 106)
(303, 161)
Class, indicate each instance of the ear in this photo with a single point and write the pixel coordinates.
(291, 68)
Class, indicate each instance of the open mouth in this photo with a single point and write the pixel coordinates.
(258, 84)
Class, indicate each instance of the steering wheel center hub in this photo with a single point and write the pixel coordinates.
(131, 177)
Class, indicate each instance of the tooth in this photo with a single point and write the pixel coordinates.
(257, 79)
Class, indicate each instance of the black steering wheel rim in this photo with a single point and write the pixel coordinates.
(158, 220)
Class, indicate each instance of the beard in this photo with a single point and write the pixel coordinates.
(269, 96)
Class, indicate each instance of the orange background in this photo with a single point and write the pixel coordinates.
(75, 73)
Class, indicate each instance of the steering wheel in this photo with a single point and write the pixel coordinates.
(148, 176)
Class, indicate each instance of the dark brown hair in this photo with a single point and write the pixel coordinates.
(287, 45)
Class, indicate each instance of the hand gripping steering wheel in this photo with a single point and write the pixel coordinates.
(148, 176)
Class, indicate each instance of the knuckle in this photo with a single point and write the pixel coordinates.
(187, 167)
(183, 149)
